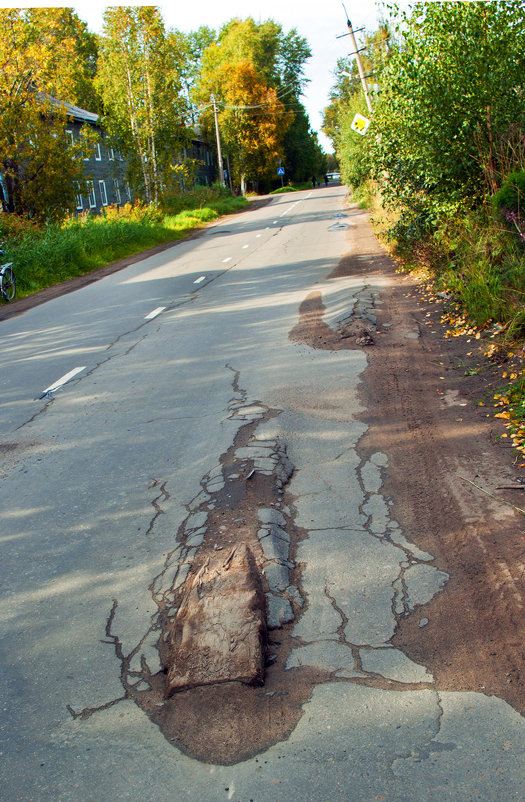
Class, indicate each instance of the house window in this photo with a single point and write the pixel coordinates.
(70, 139)
(103, 193)
(116, 191)
(91, 195)
(111, 154)
(98, 154)
(128, 191)
(80, 202)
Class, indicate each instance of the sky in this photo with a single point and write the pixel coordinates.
(320, 23)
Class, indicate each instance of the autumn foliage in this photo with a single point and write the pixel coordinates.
(40, 170)
(152, 88)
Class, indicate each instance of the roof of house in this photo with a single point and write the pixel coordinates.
(73, 111)
(81, 114)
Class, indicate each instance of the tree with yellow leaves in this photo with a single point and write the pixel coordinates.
(139, 79)
(41, 172)
(253, 122)
(255, 74)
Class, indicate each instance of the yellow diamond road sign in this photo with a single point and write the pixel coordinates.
(360, 124)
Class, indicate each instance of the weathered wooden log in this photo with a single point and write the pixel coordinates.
(219, 632)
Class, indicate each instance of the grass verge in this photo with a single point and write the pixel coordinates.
(47, 255)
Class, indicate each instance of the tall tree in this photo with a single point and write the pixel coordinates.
(139, 79)
(303, 154)
(41, 171)
(256, 73)
(188, 50)
(347, 99)
(253, 122)
(456, 77)
(68, 56)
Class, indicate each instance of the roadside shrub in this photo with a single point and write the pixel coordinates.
(511, 196)
(14, 228)
(509, 201)
(482, 264)
(196, 198)
(139, 212)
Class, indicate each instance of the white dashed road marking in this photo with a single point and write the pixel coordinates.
(155, 312)
(289, 209)
(60, 382)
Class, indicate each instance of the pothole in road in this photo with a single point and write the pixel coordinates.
(244, 504)
(354, 331)
(228, 721)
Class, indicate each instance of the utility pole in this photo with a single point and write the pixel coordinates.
(219, 152)
(357, 54)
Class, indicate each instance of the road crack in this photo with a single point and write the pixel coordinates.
(163, 496)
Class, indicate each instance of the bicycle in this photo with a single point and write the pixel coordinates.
(7, 278)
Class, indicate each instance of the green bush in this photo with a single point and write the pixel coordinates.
(481, 263)
(511, 196)
(281, 190)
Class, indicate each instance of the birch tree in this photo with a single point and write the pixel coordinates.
(138, 78)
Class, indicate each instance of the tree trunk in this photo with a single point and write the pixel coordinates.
(136, 136)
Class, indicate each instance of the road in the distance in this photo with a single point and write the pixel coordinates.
(164, 364)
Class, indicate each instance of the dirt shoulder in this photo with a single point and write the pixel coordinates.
(444, 458)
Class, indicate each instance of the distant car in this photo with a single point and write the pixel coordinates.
(334, 176)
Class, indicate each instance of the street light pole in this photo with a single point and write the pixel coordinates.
(219, 152)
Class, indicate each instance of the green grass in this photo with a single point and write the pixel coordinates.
(282, 190)
(292, 188)
(43, 256)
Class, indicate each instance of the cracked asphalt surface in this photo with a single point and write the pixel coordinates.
(241, 413)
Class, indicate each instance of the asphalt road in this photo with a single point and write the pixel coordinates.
(117, 404)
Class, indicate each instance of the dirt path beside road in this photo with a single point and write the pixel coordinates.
(422, 412)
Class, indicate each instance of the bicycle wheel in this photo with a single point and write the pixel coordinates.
(7, 283)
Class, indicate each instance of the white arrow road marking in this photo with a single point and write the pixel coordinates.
(155, 312)
(198, 280)
(63, 380)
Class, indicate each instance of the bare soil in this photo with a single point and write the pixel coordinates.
(423, 412)
(227, 722)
